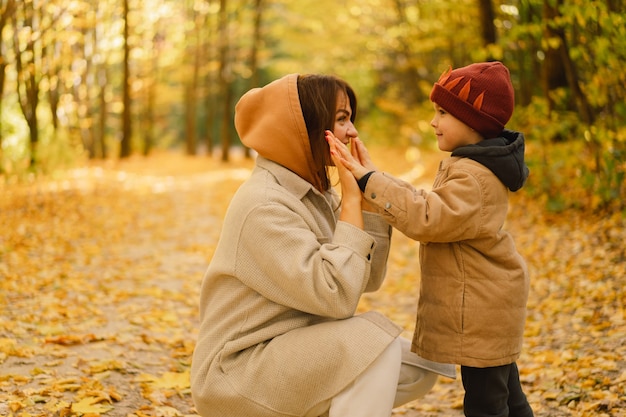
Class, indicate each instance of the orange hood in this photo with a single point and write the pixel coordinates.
(270, 121)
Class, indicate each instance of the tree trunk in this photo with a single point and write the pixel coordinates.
(100, 138)
(7, 13)
(125, 146)
(553, 71)
(27, 82)
(256, 40)
(254, 80)
(101, 76)
(488, 30)
(407, 73)
(53, 56)
(559, 70)
(191, 97)
(526, 59)
(224, 79)
(83, 92)
(190, 118)
(152, 80)
(208, 52)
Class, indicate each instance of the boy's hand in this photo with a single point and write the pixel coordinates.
(351, 163)
(349, 159)
(359, 151)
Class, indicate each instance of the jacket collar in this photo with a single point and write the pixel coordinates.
(293, 183)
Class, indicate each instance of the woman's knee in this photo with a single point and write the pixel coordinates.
(415, 384)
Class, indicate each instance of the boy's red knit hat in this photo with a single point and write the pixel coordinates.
(480, 95)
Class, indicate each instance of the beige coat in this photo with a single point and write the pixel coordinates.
(278, 334)
(474, 284)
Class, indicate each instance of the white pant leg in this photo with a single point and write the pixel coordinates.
(372, 394)
(414, 381)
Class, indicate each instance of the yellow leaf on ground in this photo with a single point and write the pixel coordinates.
(68, 340)
(173, 380)
(90, 405)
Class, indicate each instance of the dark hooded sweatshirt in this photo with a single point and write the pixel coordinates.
(504, 156)
(474, 284)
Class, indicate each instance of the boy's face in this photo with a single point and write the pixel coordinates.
(451, 132)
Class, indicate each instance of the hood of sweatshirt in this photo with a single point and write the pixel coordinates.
(270, 121)
(503, 155)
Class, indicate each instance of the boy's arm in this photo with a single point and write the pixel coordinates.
(449, 213)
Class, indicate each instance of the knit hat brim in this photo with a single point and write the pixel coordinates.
(481, 122)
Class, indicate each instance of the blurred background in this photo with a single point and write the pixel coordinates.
(88, 80)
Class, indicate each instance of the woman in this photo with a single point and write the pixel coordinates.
(278, 333)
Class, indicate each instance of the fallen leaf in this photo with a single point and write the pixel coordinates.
(90, 405)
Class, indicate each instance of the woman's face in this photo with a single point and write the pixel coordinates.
(344, 129)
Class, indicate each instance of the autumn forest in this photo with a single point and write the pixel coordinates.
(118, 157)
(108, 79)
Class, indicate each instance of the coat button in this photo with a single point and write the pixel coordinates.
(373, 196)
(387, 205)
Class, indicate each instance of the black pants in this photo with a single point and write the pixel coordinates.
(494, 392)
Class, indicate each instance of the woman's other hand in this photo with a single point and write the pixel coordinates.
(350, 193)
(347, 163)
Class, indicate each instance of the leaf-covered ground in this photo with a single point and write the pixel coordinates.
(100, 269)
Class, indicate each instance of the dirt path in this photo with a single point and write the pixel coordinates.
(100, 274)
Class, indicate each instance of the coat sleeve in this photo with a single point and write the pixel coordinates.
(380, 230)
(450, 212)
(280, 256)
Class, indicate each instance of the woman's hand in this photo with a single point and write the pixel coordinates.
(349, 162)
(350, 193)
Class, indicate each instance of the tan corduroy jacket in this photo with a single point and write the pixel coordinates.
(474, 284)
(278, 335)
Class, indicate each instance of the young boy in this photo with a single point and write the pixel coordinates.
(474, 283)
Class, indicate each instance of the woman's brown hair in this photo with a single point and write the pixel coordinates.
(318, 100)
